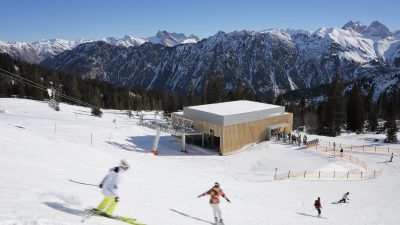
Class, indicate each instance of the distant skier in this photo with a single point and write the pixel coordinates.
(214, 193)
(391, 158)
(109, 187)
(305, 139)
(317, 205)
(343, 200)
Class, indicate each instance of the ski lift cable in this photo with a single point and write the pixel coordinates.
(39, 86)
(45, 88)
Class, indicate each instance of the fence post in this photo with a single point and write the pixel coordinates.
(363, 148)
(375, 148)
(55, 127)
(361, 174)
(388, 149)
(304, 174)
(288, 175)
(351, 147)
(319, 174)
(334, 173)
(348, 174)
(91, 139)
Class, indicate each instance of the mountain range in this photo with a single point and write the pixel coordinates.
(37, 51)
(269, 62)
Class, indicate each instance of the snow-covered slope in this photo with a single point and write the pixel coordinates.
(42, 149)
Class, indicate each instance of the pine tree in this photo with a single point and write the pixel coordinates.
(355, 109)
(302, 107)
(373, 118)
(391, 126)
(335, 108)
(279, 100)
(215, 89)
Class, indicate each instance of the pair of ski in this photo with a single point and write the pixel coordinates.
(125, 219)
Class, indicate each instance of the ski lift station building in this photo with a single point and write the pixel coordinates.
(228, 127)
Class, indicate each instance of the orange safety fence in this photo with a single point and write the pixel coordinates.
(331, 175)
(362, 148)
(331, 150)
(327, 175)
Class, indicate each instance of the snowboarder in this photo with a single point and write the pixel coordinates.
(317, 205)
(214, 193)
(343, 200)
(391, 158)
(109, 187)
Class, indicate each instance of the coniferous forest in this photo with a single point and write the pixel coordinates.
(104, 95)
(353, 110)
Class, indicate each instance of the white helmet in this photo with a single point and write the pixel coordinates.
(124, 164)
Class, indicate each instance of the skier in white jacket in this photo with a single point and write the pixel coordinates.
(109, 187)
(344, 199)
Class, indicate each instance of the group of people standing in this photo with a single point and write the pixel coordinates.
(291, 138)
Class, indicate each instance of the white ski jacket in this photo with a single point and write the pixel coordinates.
(345, 196)
(111, 181)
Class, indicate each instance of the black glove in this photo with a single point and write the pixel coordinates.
(100, 185)
(228, 200)
(116, 199)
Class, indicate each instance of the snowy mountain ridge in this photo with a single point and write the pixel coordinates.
(269, 62)
(39, 50)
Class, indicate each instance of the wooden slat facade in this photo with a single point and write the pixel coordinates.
(235, 137)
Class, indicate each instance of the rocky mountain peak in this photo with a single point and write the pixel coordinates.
(377, 30)
(356, 26)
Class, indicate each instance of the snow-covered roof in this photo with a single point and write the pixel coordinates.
(235, 112)
(234, 107)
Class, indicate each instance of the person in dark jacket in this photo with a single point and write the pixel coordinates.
(317, 205)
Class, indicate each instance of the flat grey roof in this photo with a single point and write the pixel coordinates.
(235, 112)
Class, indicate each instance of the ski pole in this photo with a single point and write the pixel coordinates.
(83, 183)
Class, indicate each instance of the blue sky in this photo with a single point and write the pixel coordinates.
(30, 20)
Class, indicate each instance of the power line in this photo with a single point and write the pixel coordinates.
(31, 83)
